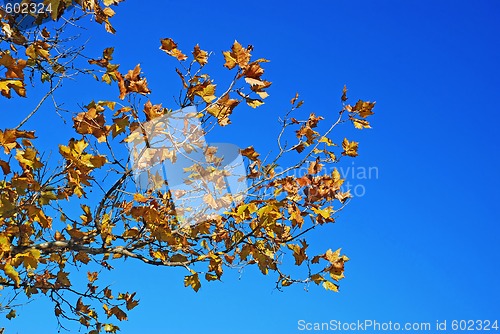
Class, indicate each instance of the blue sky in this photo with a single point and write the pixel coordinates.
(424, 240)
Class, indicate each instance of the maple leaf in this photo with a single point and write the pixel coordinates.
(15, 67)
(299, 253)
(360, 123)
(200, 56)
(152, 111)
(62, 279)
(342, 197)
(364, 109)
(250, 153)
(254, 103)
(252, 74)
(129, 299)
(350, 148)
(107, 55)
(11, 272)
(118, 313)
(315, 167)
(210, 200)
(38, 49)
(16, 85)
(28, 158)
(206, 91)
(237, 56)
(111, 2)
(222, 109)
(9, 137)
(170, 47)
(132, 82)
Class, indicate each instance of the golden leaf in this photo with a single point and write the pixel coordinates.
(315, 167)
(14, 67)
(330, 286)
(350, 148)
(363, 108)
(222, 109)
(170, 47)
(237, 56)
(342, 197)
(193, 281)
(207, 92)
(360, 123)
(327, 141)
(28, 158)
(254, 103)
(200, 56)
(325, 213)
(11, 273)
(299, 253)
(152, 111)
(16, 85)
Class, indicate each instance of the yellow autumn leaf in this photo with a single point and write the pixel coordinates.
(325, 213)
(332, 256)
(207, 93)
(193, 281)
(330, 286)
(200, 56)
(254, 103)
(350, 148)
(11, 272)
(237, 56)
(4, 244)
(327, 141)
(360, 123)
(16, 85)
(28, 158)
(363, 108)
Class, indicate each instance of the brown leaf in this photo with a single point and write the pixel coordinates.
(250, 153)
(5, 167)
(170, 47)
(344, 94)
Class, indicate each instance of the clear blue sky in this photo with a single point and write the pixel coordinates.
(424, 240)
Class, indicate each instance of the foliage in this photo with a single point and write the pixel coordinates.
(42, 241)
